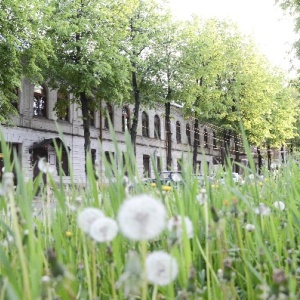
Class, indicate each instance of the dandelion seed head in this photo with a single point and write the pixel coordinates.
(46, 279)
(103, 230)
(87, 217)
(176, 224)
(250, 227)
(161, 268)
(262, 210)
(141, 218)
(279, 205)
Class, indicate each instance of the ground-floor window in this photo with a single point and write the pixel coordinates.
(14, 148)
(146, 166)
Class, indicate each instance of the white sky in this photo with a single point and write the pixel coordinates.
(271, 28)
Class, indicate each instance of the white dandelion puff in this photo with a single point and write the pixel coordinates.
(175, 224)
(262, 210)
(279, 204)
(161, 268)
(250, 227)
(45, 167)
(142, 218)
(103, 230)
(87, 217)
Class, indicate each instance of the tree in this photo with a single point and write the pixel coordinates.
(166, 77)
(87, 61)
(23, 50)
(144, 23)
(231, 83)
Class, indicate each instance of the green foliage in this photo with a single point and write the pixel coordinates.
(230, 82)
(86, 37)
(23, 49)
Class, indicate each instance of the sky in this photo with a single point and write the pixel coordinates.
(271, 27)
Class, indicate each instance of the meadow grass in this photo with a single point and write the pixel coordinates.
(243, 246)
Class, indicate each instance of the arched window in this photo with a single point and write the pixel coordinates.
(145, 124)
(178, 132)
(188, 134)
(214, 140)
(109, 115)
(197, 136)
(125, 118)
(15, 100)
(40, 101)
(92, 116)
(62, 105)
(205, 138)
(156, 127)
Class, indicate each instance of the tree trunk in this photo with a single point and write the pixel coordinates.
(137, 102)
(259, 156)
(86, 123)
(195, 145)
(168, 135)
(282, 154)
(269, 157)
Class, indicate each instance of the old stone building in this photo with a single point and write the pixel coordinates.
(37, 125)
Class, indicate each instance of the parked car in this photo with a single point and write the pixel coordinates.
(202, 179)
(170, 177)
(236, 177)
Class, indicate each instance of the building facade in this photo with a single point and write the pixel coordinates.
(44, 112)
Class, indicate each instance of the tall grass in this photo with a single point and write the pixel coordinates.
(243, 246)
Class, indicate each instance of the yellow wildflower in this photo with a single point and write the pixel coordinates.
(68, 234)
(166, 188)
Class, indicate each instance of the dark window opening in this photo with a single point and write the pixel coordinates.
(158, 164)
(125, 118)
(205, 138)
(197, 136)
(145, 124)
(40, 101)
(179, 164)
(178, 132)
(214, 140)
(188, 134)
(146, 166)
(157, 127)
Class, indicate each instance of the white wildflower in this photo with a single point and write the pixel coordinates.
(176, 224)
(250, 227)
(46, 279)
(142, 218)
(87, 217)
(202, 197)
(104, 230)
(161, 268)
(45, 167)
(262, 210)
(279, 204)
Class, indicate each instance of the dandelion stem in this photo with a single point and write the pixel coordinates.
(94, 270)
(87, 269)
(112, 279)
(143, 250)
(154, 294)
